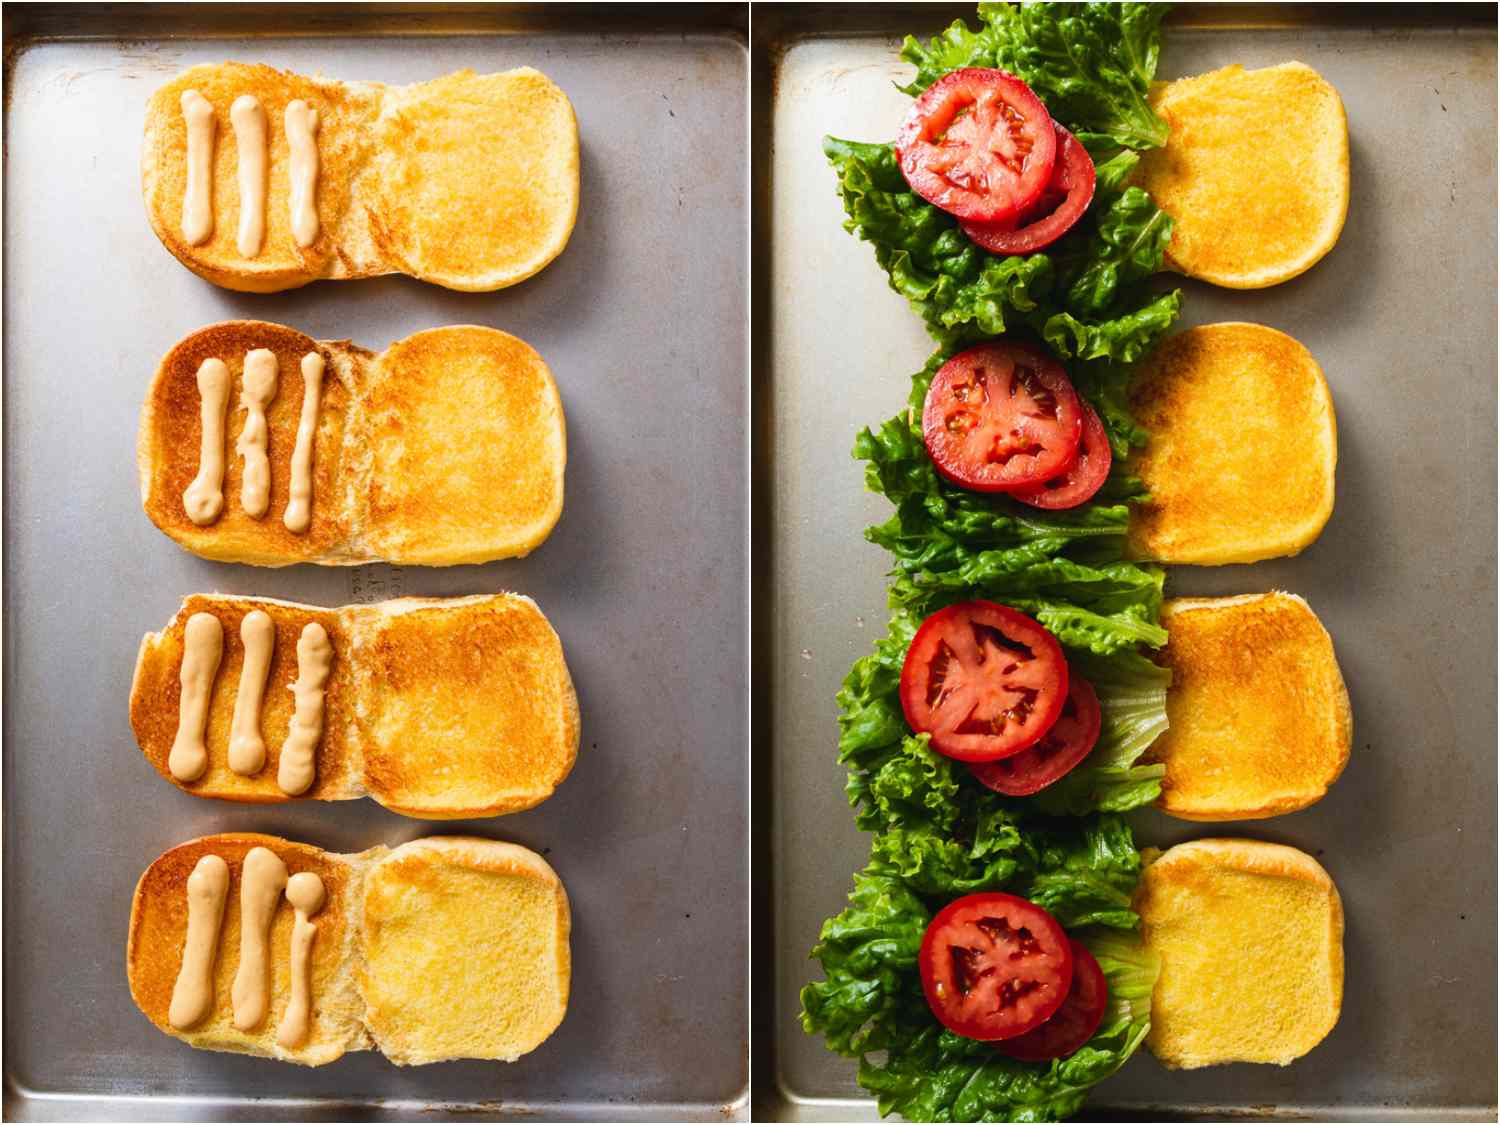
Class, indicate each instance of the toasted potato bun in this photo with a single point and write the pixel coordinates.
(1243, 445)
(1251, 941)
(1258, 717)
(1255, 173)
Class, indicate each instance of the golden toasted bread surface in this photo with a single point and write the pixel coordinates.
(437, 217)
(437, 707)
(465, 951)
(155, 698)
(171, 430)
(469, 181)
(457, 948)
(466, 435)
(1250, 938)
(1258, 716)
(449, 447)
(486, 696)
(1255, 173)
(158, 931)
(346, 115)
(1242, 448)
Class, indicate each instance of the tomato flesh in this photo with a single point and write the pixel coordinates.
(983, 680)
(1055, 754)
(978, 144)
(1061, 204)
(1074, 1023)
(1002, 416)
(1084, 478)
(994, 966)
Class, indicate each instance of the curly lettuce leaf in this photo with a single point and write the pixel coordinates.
(1092, 64)
(870, 1001)
(1084, 297)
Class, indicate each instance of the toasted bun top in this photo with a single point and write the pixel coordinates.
(1255, 172)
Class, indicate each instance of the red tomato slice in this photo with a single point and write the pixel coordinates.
(978, 144)
(994, 966)
(1087, 474)
(1063, 202)
(1059, 750)
(1002, 416)
(1074, 1023)
(984, 680)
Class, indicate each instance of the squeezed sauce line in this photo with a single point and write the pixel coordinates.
(249, 121)
(298, 515)
(298, 764)
(262, 879)
(257, 390)
(247, 749)
(202, 648)
(203, 499)
(305, 892)
(193, 992)
(301, 139)
(197, 196)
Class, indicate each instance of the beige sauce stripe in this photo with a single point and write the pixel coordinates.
(197, 197)
(262, 879)
(301, 139)
(298, 764)
(202, 648)
(247, 749)
(298, 516)
(249, 121)
(305, 892)
(193, 994)
(203, 499)
(258, 388)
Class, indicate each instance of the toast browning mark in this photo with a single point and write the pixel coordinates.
(203, 647)
(257, 390)
(197, 197)
(298, 765)
(247, 749)
(298, 515)
(301, 127)
(304, 891)
(204, 497)
(193, 992)
(262, 879)
(249, 121)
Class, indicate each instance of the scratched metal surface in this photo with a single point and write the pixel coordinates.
(643, 322)
(1402, 317)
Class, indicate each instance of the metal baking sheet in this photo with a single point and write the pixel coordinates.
(643, 321)
(1402, 317)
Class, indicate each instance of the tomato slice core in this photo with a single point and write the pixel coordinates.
(1055, 754)
(983, 680)
(1002, 416)
(1074, 1023)
(978, 144)
(1084, 478)
(1062, 203)
(994, 966)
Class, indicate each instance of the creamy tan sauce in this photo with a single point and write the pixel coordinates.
(301, 139)
(197, 197)
(247, 749)
(202, 648)
(298, 764)
(258, 388)
(262, 879)
(298, 516)
(193, 994)
(249, 121)
(203, 499)
(305, 892)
